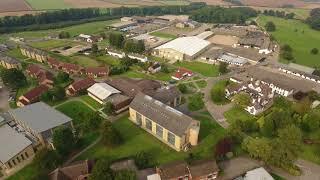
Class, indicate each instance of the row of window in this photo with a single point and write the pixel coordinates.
(159, 130)
(23, 156)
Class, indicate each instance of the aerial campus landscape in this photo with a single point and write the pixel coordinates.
(159, 89)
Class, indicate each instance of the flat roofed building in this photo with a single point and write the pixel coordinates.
(101, 91)
(15, 150)
(40, 120)
(233, 59)
(169, 125)
(9, 62)
(183, 48)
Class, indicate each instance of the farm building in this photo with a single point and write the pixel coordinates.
(169, 125)
(101, 91)
(183, 48)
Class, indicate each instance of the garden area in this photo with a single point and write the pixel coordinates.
(218, 92)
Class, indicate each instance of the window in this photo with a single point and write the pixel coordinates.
(139, 119)
(14, 162)
(22, 156)
(18, 159)
(171, 138)
(159, 131)
(9, 164)
(26, 155)
(148, 124)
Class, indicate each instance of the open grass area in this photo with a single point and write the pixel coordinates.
(237, 113)
(137, 140)
(163, 35)
(47, 4)
(16, 53)
(310, 152)
(199, 67)
(108, 59)
(299, 36)
(50, 44)
(93, 103)
(84, 61)
(86, 28)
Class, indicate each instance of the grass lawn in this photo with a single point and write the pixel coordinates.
(310, 152)
(84, 61)
(137, 140)
(110, 60)
(16, 53)
(93, 103)
(86, 28)
(76, 110)
(132, 74)
(163, 35)
(199, 67)
(301, 41)
(202, 83)
(236, 113)
(48, 4)
(26, 173)
(50, 44)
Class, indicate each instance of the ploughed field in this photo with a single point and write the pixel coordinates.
(13, 5)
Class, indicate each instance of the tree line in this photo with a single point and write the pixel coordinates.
(281, 14)
(62, 18)
(216, 14)
(314, 19)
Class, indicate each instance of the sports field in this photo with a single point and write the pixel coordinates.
(299, 36)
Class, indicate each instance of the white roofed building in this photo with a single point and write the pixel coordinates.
(101, 91)
(258, 174)
(183, 48)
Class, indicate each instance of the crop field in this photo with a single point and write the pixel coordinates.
(47, 4)
(13, 5)
(299, 36)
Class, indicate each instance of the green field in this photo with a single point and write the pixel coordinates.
(199, 67)
(47, 4)
(137, 140)
(86, 28)
(50, 44)
(93, 103)
(84, 61)
(163, 35)
(299, 36)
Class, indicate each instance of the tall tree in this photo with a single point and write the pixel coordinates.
(63, 140)
(110, 135)
(14, 78)
(270, 26)
(101, 170)
(223, 67)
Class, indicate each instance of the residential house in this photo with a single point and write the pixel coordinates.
(9, 62)
(154, 68)
(39, 121)
(198, 170)
(54, 64)
(169, 125)
(32, 96)
(71, 68)
(138, 57)
(182, 73)
(16, 150)
(90, 38)
(95, 72)
(44, 77)
(79, 86)
(34, 53)
(79, 170)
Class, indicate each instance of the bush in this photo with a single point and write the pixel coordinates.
(314, 51)
(110, 136)
(195, 102)
(142, 160)
(270, 26)
(183, 88)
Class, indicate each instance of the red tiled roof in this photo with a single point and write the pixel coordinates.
(33, 70)
(54, 62)
(181, 72)
(46, 75)
(82, 84)
(35, 93)
(71, 67)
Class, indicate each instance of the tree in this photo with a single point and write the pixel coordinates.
(116, 40)
(268, 128)
(195, 102)
(44, 161)
(63, 140)
(93, 122)
(134, 46)
(183, 88)
(13, 78)
(223, 147)
(270, 26)
(103, 35)
(108, 108)
(286, 52)
(143, 160)
(311, 121)
(62, 77)
(223, 67)
(101, 170)
(125, 175)
(110, 136)
(242, 99)
(64, 35)
(164, 68)
(58, 93)
(258, 148)
(94, 48)
(314, 51)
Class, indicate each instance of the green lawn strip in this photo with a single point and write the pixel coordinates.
(202, 83)
(16, 53)
(50, 44)
(163, 35)
(199, 67)
(299, 36)
(48, 4)
(93, 103)
(137, 140)
(86, 28)
(237, 113)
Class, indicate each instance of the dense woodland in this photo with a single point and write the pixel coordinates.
(314, 19)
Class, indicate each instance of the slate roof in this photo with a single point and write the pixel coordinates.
(9, 60)
(40, 116)
(167, 117)
(12, 143)
(165, 95)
